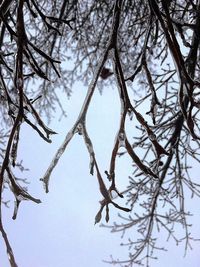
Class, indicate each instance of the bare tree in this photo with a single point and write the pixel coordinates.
(150, 47)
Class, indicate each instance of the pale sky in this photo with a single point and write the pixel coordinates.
(60, 232)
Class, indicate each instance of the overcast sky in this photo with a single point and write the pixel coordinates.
(60, 232)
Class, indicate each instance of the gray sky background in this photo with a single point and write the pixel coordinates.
(60, 231)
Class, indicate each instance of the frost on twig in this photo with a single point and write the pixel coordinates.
(19, 192)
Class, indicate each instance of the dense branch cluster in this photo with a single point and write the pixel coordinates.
(150, 47)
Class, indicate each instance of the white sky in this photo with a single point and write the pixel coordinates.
(60, 231)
